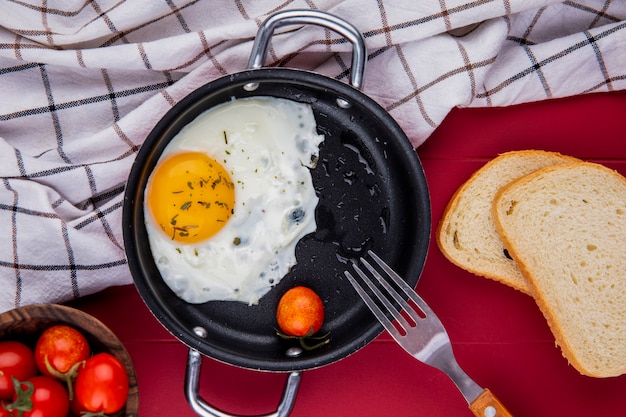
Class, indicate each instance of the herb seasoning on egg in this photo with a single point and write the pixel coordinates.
(190, 215)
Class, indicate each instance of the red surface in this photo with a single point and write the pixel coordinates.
(499, 336)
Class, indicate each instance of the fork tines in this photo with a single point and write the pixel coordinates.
(405, 315)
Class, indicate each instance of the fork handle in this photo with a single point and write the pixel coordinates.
(487, 405)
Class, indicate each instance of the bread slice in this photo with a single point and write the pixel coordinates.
(565, 225)
(467, 234)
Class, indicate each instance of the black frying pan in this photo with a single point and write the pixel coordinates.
(373, 196)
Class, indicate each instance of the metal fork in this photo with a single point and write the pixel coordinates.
(420, 333)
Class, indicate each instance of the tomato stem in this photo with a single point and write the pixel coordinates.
(23, 397)
(67, 377)
(304, 340)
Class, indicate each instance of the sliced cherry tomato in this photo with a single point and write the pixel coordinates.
(59, 348)
(300, 312)
(16, 359)
(101, 385)
(40, 396)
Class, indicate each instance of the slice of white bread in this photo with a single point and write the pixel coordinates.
(467, 234)
(565, 225)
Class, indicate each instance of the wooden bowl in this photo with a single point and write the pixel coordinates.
(25, 324)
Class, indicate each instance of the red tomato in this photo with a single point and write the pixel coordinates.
(62, 347)
(101, 385)
(16, 359)
(4, 412)
(300, 312)
(41, 396)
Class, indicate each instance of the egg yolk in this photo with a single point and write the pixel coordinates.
(191, 196)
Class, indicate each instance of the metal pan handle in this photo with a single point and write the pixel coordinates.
(312, 17)
(202, 408)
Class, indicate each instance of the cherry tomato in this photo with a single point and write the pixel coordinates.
(101, 385)
(4, 412)
(58, 349)
(40, 396)
(16, 359)
(300, 312)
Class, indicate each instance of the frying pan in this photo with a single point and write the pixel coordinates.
(373, 196)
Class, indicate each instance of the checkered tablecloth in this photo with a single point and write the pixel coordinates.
(82, 83)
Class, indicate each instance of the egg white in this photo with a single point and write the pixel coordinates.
(268, 146)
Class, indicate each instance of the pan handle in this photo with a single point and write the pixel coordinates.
(312, 17)
(202, 408)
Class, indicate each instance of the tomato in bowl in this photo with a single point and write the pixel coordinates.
(26, 325)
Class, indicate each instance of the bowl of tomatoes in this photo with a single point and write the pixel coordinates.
(57, 361)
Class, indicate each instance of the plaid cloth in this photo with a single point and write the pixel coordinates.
(83, 82)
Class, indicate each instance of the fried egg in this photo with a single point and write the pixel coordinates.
(231, 196)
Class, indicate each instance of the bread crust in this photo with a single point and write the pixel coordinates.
(579, 277)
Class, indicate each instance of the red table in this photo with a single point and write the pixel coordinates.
(500, 338)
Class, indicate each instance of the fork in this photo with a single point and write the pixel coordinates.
(420, 333)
